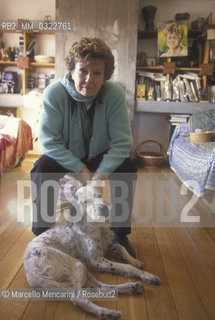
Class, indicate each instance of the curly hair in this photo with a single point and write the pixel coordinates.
(174, 28)
(88, 49)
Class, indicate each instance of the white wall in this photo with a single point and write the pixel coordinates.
(30, 9)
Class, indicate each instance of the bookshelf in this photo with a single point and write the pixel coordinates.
(24, 63)
(146, 88)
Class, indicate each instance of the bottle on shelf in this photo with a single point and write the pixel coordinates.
(21, 46)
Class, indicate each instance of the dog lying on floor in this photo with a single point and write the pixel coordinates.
(61, 256)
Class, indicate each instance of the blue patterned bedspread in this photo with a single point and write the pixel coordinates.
(193, 163)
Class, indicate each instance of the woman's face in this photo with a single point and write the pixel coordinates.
(88, 76)
(172, 40)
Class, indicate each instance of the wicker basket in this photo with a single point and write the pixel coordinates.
(150, 159)
(198, 137)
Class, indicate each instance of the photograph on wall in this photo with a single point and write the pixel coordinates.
(172, 39)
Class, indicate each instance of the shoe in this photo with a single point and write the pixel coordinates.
(123, 240)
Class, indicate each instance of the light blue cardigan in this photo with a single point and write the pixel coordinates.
(111, 128)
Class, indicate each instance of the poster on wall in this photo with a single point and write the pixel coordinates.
(172, 39)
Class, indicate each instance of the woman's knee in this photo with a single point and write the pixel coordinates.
(47, 164)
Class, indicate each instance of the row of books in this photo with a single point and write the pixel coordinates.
(155, 86)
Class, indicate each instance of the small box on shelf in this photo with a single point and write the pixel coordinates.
(169, 67)
(206, 69)
(23, 62)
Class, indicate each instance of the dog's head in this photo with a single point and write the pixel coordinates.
(88, 202)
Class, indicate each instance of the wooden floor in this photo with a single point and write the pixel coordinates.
(182, 255)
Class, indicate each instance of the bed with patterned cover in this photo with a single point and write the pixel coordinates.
(194, 163)
(15, 141)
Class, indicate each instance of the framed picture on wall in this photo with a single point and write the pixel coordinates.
(172, 39)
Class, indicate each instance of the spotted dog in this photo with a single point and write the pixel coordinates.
(62, 256)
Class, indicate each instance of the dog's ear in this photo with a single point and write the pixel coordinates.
(73, 191)
(70, 188)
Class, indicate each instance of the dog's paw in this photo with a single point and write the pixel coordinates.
(136, 288)
(155, 281)
(150, 278)
(140, 265)
(108, 314)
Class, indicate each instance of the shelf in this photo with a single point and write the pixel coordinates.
(153, 34)
(210, 26)
(35, 32)
(171, 106)
(11, 94)
(147, 34)
(11, 100)
(154, 68)
(31, 33)
(32, 64)
(8, 63)
(161, 68)
(42, 65)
